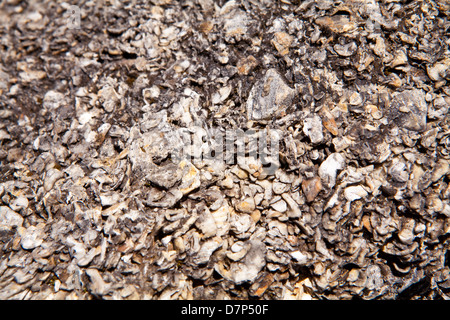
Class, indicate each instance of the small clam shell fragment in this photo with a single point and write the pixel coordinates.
(227, 182)
(260, 286)
(191, 179)
(279, 188)
(238, 250)
(32, 237)
(400, 58)
(248, 268)
(354, 193)
(409, 109)
(53, 99)
(270, 96)
(207, 250)
(329, 168)
(438, 71)
(329, 121)
(311, 188)
(282, 42)
(346, 50)
(294, 209)
(406, 234)
(242, 225)
(245, 65)
(279, 206)
(206, 224)
(336, 23)
(355, 99)
(299, 257)
(108, 199)
(19, 203)
(221, 218)
(312, 127)
(97, 285)
(9, 218)
(374, 278)
(51, 177)
(399, 172)
(246, 206)
(374, 111)
(441, 169)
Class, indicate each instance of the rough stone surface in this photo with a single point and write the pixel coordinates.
(244, 149)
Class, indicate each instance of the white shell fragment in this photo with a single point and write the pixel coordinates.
(312, 127)
(32, 237)
(329, 168)
(9, 218)
(355, 193)
(206, 250)
(248, 268)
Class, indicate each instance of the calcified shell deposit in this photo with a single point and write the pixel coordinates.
(224, 149)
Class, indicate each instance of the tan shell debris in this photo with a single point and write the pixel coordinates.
(224, 150)
(311, 188)
(282, 42)
(248, 268)
(329, 168)
(312, 127)
(245, 65)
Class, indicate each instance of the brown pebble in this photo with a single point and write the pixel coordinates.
(328, 121)
(256, 215)
(282, 42)
(311, 188)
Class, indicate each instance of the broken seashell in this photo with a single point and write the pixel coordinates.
(311, 188)
(312, 127)
(269, 97)
(206, 250)
(9, 218)
(329, 168)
